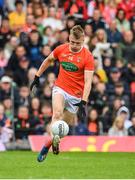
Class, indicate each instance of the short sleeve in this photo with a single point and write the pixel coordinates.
(57, 51)
(89, 62)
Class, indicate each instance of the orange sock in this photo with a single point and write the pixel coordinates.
(48, 142)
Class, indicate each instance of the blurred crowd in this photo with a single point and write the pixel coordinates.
(31, 29)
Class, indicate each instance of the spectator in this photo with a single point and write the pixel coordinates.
(2, 3)
(29, 25)
(98, 97)
(96, 22)
(100, 46)
(46, 50)
(95, 81)
(6, 133)
(17, 17)
(76, 8)
(46, 110)
(46, 113)
(109, 11)
(123, 112)
(50, 79)
(128, 7)
(126, 50)
(13, 62)
(123, 24)
(107, 65)
(10, 5)
(120, 64)
(26, 125)
(35, 106)
(130, 76)
(79, 128)
(131, 129)
(5, 90)
(52, 21)
(118, 128)
(47, 35)
(33, 5)
(20, 75)
(5, 32)
(3, 62)
(92, 5)
(39, 12)
(8, 105)
(10, 46)
(119, 92)
(102, 43)
(24, 96)
(88, 34)
(63, 38)
(4, 121)
(109, 114)
(70, 23)
(47, 93)
(31, 74)
(93, 122)
(22, 125)
(36, 117)
(54, 65)
(34, 52)
(115, 77)
(133, 27)
(113, 34)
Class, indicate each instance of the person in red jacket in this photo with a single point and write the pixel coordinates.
(79, 7)
(128, 6)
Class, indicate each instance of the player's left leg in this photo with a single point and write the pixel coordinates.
(69, 117)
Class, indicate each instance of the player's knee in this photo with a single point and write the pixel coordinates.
(57, 115)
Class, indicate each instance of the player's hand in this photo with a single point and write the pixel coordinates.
(35, 83)
(81, 110)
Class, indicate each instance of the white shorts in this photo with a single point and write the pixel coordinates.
(69, 99)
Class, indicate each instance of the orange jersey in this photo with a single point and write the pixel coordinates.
(72, 67)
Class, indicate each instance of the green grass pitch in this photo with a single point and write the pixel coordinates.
(71, 165)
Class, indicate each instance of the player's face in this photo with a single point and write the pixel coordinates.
(75, 44)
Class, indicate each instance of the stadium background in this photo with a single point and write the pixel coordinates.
(30, 30)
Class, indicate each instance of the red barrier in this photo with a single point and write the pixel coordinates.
(88, 143)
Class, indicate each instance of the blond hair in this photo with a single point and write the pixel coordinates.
(77, 31)
(117, 120)
(104, 34)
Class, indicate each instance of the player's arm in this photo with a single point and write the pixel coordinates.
(45, 64)
(88, 76)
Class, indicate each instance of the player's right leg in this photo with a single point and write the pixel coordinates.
(44, 151)
(58, 107)
(58, 103)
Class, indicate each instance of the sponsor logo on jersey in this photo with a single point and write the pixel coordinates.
(68, 66)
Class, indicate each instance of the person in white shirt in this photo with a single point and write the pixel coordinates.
(118, 128)
(56, 24)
